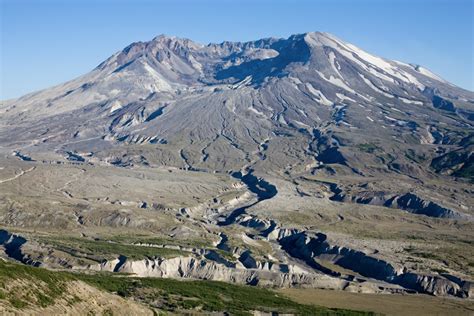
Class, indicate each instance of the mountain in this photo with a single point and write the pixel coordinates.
(306, 95)
(308, 160)
(311, 103)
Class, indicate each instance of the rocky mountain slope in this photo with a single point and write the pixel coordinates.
(276, 105)
(311, 96)
(280, 162)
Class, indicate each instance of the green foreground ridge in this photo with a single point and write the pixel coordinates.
(160, 295)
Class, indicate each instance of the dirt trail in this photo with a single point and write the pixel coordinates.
(22, 172)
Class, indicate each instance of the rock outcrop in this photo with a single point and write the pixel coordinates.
(310, 247)
(195, 268)
(12, 246)
(409, 202)
(415, 204)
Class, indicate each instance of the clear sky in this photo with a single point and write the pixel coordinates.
(44, 43)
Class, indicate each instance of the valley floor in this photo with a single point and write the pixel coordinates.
(92, 223)
(396, 305)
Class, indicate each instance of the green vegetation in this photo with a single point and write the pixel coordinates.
(225, 254)
(467, 170)
(410, 138)
(460, 162)
(146, 239)
(44, 286)
(17, 303)
(413, 156)
(423, 254)
(194, 243)
(368, 147)
(88, 248)
(454, 256)
(164, 294)
(415, 237)
(205, 295)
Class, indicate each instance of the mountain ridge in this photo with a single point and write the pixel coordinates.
(313, 86)
(170, 38)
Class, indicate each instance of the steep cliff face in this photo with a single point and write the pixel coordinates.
(310, 247)
(303, 246)
(409, 202)
(194, 268)
(12, 246)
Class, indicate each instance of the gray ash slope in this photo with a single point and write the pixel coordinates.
(309, 104)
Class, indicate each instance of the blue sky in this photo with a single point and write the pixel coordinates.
(44, 43)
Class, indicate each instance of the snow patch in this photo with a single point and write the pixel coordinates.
(295, 80)
(114, 92)
(375, 88)
(332, 61)
(380, 75)
(343, 97)
(302, 124)
(408, 101)
(337, 82)
(348, 50)
(256, 111)
(115, 105)
(247, 80)
(282, 120)
(368, 99)
(160, 84)
(318, 95)
(428, 73)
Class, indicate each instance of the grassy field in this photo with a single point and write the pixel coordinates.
(159, 294)
(80, 247)
(44, 286)
(175, 295)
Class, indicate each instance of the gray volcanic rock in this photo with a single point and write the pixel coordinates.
(189, 267)
(308, 102)
(310, 247)
(175, 92)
